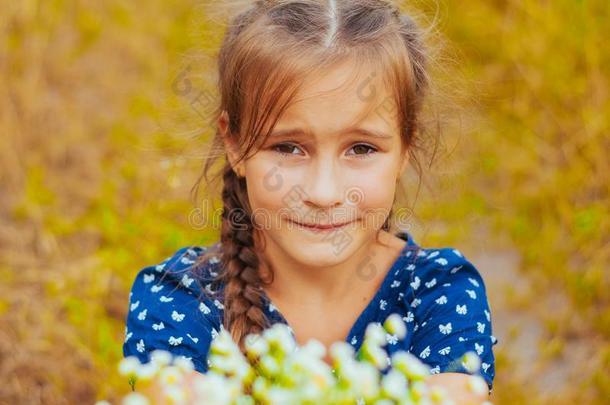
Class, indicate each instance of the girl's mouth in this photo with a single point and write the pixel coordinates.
(320, 227)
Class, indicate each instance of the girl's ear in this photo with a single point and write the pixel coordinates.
(230, 146)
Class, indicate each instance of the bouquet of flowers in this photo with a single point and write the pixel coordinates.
(275, 370)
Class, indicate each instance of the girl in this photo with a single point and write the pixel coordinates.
(319, 117)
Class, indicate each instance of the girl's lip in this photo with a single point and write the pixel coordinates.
(321, 227)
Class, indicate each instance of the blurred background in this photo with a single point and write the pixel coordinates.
(99, 149)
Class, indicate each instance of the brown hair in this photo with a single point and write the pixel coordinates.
(267, 51)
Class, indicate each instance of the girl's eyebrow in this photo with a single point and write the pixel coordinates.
(357, 130)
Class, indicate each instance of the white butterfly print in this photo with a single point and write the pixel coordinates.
(435, 370)
(395, 284)
(473, 281)
(174, 341)
(204, 308)
(445, 350)
(415, 284)
(447, 285)
(187, 281)
(160, 267)
(445, 329)
(214, 333)
(186, 260)
(354, 340)
(433, 254)
(472, 294)
(461, 309)
(422, 252)
(218, 304)
(128, 335)
(156, 288)
(177, 316)
(461, 339)
(148, 278)
(391, 339)
(415, 302)
(441, 300)
(442, 261)
(140, 346)
(411, 267)
(425, 353)
(142, 315)
(272, 307)
(166, 299)
(457, 253)
(214, 260)
(416, 327)
(479, 348)
(485, 366)
(134, 305)
(191, 252)
(431, 283)
(455, 269)
(409, 318)
(382, 304)
(158, 326)
(487, 315)
(481, 327)
(194, 339)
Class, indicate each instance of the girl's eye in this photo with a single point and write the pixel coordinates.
(288, 147)
(364, 147)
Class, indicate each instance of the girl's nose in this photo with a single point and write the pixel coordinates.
(323, 185)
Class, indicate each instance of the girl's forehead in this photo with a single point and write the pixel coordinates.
(340, 97)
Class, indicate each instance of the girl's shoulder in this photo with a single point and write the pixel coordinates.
(167, 309)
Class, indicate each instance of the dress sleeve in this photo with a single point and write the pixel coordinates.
(451, 313)
(164, 313)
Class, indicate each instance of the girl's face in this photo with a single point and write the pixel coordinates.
(334, 158)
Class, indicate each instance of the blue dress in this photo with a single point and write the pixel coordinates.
(438, 292)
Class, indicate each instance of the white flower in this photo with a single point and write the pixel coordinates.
(135, 398)
(394, 384)
(184, 364)
(161, 357)
(375, 334)
(471, 362)
(170, 375)
(409, 365)
(394, 325)
(128, 366)
(477, 385)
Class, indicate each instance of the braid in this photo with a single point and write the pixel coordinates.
(243, 300)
